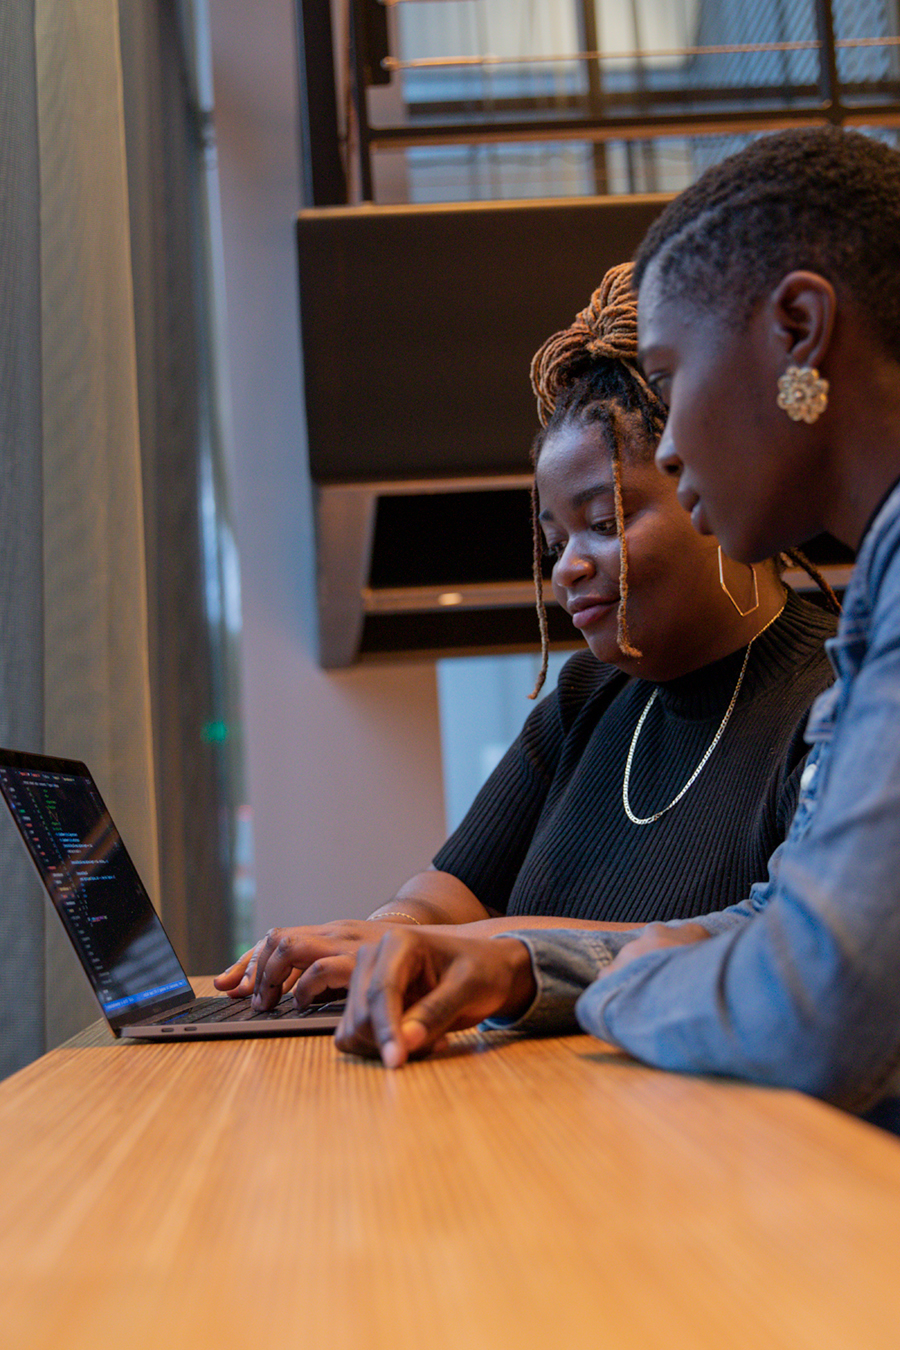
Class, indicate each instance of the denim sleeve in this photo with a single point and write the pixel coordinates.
(565, 961)
(807, 994)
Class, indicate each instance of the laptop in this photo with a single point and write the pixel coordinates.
(85, 869)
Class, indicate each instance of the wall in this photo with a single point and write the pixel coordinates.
(343, 768)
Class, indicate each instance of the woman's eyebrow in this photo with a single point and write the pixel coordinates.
(589, 493)
(581, 498)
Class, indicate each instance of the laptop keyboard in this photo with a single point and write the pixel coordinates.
(240, 1010)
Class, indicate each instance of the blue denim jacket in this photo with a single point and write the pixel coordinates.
(800, 984)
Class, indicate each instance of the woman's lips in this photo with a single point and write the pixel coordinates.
(693, 505)
(589, 612)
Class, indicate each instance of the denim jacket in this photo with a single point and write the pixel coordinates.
(799, 985)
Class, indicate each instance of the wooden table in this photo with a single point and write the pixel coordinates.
(508, 1193)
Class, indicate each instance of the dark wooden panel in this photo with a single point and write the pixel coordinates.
(419, 324)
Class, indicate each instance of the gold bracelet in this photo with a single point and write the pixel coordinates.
(396, 914)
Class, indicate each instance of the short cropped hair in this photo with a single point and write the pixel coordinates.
(819, 199)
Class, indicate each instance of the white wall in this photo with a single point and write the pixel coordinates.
(343, 768)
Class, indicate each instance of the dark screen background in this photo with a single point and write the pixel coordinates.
(95, 886)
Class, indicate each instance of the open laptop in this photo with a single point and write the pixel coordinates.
(84, 866)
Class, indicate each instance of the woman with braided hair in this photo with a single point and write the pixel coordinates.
(664, 768)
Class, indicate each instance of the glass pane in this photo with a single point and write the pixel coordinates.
(473, 65)
(513, 170)
(868, 55)
(483, 702)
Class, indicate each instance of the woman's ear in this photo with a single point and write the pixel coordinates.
(803, 308)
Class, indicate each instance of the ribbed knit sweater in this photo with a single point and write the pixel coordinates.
(548, 834)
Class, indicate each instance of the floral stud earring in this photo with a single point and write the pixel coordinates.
(802, 394)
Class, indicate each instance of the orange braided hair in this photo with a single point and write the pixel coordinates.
(606, 329)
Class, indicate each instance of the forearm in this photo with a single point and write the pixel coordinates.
(433, 897)
(569, 955)
(505, 923)
(802, 994)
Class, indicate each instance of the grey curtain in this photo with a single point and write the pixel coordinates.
(190, 554)
(21, 532)
(119, 634)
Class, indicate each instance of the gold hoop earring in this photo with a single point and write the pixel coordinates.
(802, 393)
(743, 612)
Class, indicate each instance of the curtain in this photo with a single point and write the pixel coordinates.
(96, 667)
(117, 574)
(192, 585)
(21, 565)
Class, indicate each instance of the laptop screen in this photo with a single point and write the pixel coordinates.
(95, 887)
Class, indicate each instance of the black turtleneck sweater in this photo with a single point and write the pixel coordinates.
(548, 834)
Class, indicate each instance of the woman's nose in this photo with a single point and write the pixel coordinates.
(667, 460)
(572, 565)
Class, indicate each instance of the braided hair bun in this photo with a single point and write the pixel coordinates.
(606, 328)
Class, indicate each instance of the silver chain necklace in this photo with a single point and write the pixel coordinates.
(648, 820)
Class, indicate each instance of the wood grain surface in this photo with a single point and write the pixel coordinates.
(506, 1193)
